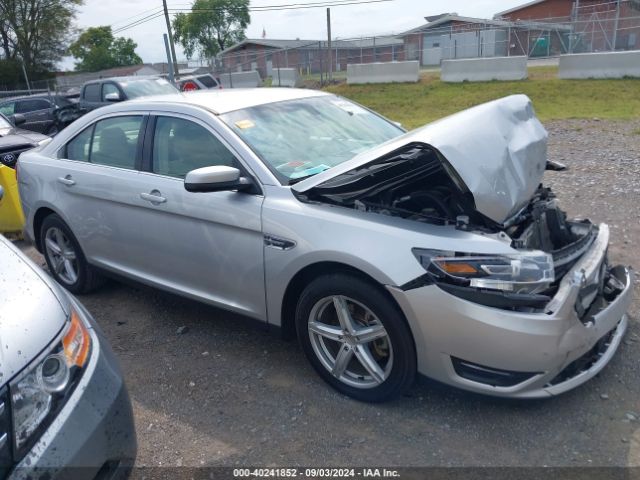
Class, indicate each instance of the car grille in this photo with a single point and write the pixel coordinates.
(6, 455)
(9, 156)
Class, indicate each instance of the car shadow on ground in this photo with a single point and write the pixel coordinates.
(250, 396)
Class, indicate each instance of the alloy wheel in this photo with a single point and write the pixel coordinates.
(350, 341)
(62, 256)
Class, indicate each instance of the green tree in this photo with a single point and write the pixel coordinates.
(37, 31)
(97, 49)
(212, 26)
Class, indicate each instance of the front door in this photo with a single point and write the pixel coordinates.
(208, 246)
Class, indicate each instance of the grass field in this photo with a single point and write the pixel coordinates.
(416, 104)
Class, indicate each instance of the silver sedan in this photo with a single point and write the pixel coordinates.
(387, 253)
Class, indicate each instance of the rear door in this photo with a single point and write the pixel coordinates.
(97, 182)
(206, 245)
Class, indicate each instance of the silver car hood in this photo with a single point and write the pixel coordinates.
(31, 314)
(499, 149)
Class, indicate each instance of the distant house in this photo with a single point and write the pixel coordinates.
(265, 55)
(596, 25)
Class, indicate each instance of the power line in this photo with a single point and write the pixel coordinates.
(264, 8)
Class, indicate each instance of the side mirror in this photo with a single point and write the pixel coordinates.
(112, 97)
(215, 179)
(17, 119)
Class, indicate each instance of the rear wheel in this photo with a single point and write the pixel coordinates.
(355, 338)
(65, 258)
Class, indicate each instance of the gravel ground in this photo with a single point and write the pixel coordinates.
(223, 392)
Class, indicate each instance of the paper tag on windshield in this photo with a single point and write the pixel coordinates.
(349, 107)
(244, 124)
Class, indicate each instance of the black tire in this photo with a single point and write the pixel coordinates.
(87, 278)
(401, 373)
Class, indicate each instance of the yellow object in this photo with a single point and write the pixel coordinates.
(11, 216)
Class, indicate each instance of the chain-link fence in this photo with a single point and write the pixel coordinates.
(590, 26)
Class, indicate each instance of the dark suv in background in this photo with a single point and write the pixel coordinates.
(105, 91)
(39, 111)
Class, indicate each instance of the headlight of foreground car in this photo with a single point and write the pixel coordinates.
(44, 387)
(527, 272)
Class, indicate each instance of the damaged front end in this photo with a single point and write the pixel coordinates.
(483, 178)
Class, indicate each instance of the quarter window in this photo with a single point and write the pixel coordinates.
(180, 146)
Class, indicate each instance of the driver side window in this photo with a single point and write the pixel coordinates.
(180, 146)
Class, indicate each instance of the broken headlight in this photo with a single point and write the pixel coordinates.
(44, 387)
(523, 272)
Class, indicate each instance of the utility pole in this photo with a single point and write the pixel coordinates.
(330, 66)
(169, 60)
(615, 27)
(173, 48)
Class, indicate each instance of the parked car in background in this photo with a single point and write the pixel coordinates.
(39, 111)
(198, 82)
(64, 407)
(436, 251)
(98, 93)
(13, 142)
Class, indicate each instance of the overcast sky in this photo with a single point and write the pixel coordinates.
(347, 21)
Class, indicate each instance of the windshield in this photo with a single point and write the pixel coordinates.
(300, 138)
(146, 87)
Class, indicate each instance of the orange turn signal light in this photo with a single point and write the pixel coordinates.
(76, 342)
(458, 268)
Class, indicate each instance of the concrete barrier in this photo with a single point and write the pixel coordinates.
(484, 69)
(285, 77)
(248, 79)
(383, 72)
(600, 65)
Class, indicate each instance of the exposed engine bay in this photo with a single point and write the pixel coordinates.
(417, 183)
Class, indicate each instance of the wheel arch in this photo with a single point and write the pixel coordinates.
(305, 275)
(38, 218)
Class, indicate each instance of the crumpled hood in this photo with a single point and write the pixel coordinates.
(30, 313)
(499, 150)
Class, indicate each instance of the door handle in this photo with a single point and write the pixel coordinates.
(153, 197)
(68, 181)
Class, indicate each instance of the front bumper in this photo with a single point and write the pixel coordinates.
(546, 345)
(93, 436)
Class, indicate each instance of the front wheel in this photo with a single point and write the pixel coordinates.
(356, 338)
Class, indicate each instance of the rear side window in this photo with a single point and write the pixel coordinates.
(115, 141)
(112, 142)
(32, 105)
(207, 81)
(79, 148)
(8, 108)
(92, 92)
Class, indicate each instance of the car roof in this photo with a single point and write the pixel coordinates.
(130, 78)
(229, 100)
